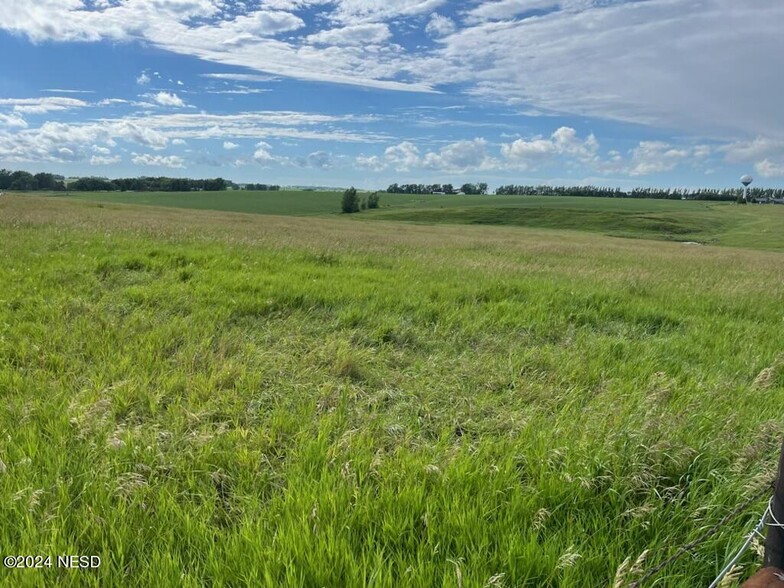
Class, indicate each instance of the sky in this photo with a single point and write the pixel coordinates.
(671, 93)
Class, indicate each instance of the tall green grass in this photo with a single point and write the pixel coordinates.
(229, 400)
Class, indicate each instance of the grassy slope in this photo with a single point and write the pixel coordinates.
(224, 399)
(705, 222)
(759, 227)
(297, 203)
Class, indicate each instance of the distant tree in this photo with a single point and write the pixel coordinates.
(23, 181)
(372, 201)
(350, 202)
(482, 188)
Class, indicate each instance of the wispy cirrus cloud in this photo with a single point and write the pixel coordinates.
(42, 105)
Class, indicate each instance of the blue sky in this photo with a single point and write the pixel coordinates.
(370, 92)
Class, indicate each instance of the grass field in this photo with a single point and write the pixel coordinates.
(223, 399)
(759, 227)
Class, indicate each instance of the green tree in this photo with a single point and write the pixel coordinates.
(372, 201)
(350, 202)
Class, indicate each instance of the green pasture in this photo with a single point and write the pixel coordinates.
(715, 223)
(223, 399)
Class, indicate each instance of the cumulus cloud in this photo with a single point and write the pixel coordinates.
(655, 157)
(228, 145)
(460, 156)
(564, 141)
(167, 99)
(170, 161)
(372, 162)
(403, 156)
(12, 120)
(143, 79)
(319, 159)
(263, 154)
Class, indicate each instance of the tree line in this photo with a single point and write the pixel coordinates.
(26, 182)
(261, 187)
(725, 194)
(473, 189)
(148, 184)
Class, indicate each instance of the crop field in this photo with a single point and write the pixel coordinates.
(215, 398)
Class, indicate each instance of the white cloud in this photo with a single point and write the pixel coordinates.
(170, 161)
(62, 91)
(244, 40)
(752, 150)
(113, 101)
(651, 157)
(319, 159)
(105, 160)
(240, 77)
(403, 156)
(359, 35)
(506, 9)
(167, 99)
(460, 156)
(527, 154)
(665, 63)
(372, 162)
(228, 145)
(523, 151)
(770, 169)
(240, 91)
(354, 11)
(43, 105)
(12, 120)
(439, 26)
(143, 79)
(137, 132)
(263, 154)
(659, 62)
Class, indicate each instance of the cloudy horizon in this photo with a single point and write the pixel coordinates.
(337, 92)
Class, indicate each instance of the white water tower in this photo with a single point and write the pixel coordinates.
(746, 180)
